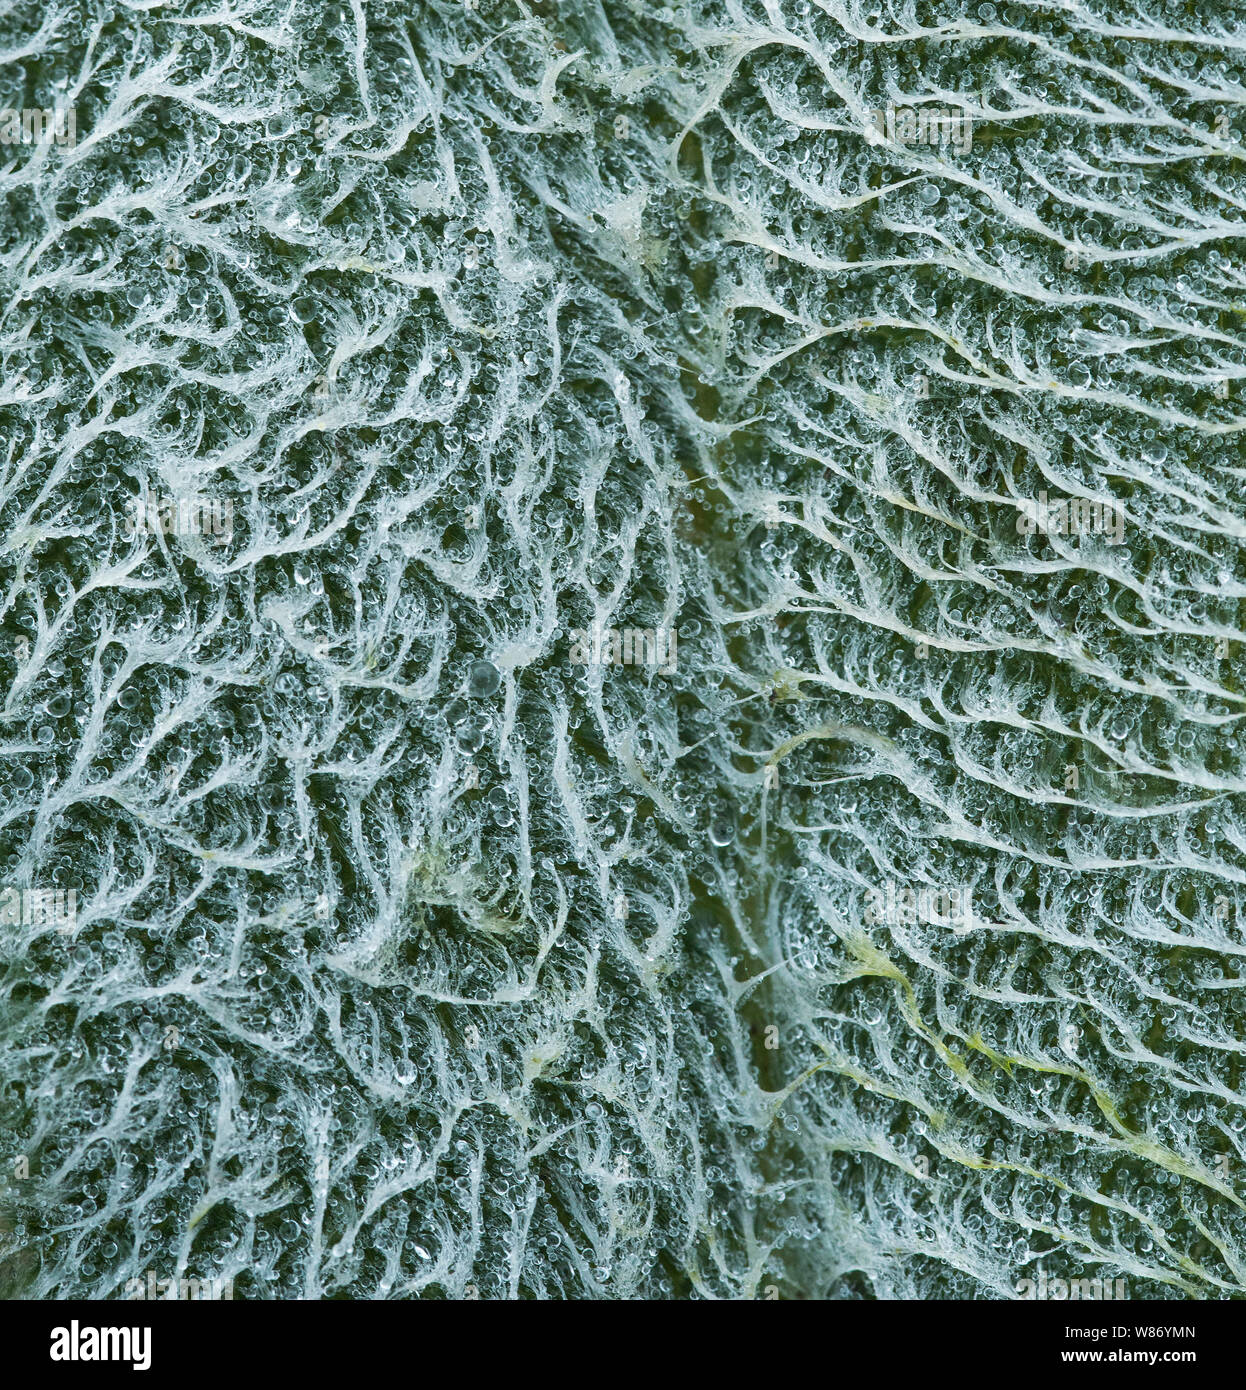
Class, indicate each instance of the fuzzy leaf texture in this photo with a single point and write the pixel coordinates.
(415, 955)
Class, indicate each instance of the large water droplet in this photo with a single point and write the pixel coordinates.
(483, 678)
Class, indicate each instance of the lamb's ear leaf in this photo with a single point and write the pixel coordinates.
(621, 623)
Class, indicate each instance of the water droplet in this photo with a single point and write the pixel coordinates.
(483, 678)
(471, 738)
(722, 832)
